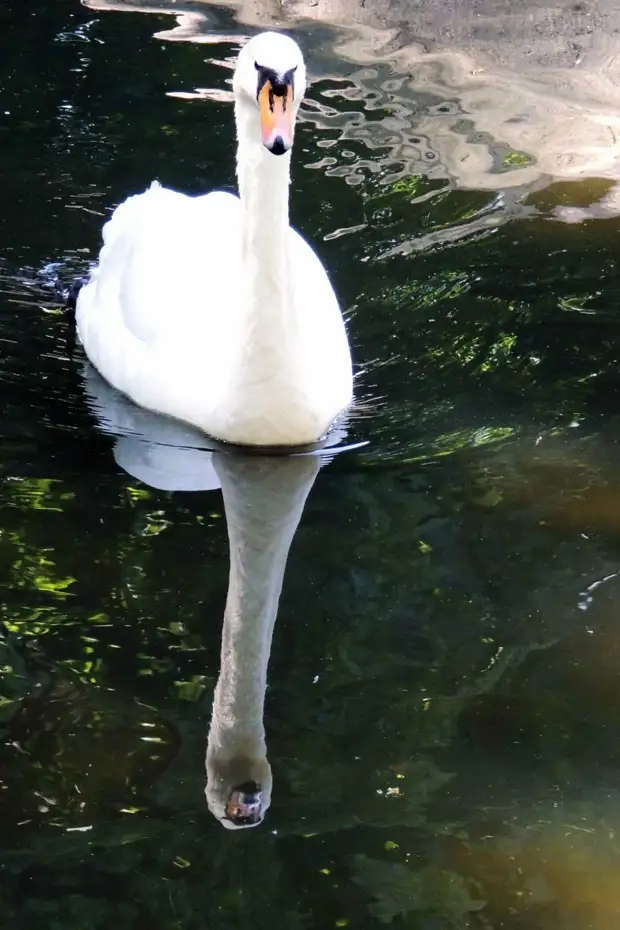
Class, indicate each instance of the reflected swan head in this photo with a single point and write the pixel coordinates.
(245, 805)
(270, 79)
(238, 791)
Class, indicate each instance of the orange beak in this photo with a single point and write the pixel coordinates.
(276, 118)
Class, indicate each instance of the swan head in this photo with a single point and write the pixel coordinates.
(270, 78)
(238, 790)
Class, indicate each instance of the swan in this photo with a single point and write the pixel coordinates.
(211, 309)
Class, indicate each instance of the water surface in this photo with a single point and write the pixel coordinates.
(441, 710)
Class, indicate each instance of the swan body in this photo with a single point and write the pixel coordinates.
(211, 309)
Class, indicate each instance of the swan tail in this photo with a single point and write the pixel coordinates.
(134, 211)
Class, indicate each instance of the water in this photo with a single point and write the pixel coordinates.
(443, 681)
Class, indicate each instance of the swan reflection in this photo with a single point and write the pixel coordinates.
(264, 497)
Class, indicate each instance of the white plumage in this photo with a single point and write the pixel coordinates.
(211, 309)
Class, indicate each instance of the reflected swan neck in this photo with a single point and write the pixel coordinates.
(264, 500)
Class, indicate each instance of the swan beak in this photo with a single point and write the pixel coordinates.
(276, 118)
(245, 807)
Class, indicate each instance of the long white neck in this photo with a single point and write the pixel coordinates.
(267, 342)
(264, 499)
(263, 181)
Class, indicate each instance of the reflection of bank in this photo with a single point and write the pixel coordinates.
(491, 100)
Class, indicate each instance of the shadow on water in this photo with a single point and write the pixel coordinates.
(441, 712)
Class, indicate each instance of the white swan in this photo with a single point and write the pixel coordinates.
(212, 309)
(264, 499)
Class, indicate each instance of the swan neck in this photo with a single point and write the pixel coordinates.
(263, 181)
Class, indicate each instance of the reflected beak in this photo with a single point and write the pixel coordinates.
(245, 807)
(276, 118)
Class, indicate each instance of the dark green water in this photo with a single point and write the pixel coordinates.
(441, 715)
